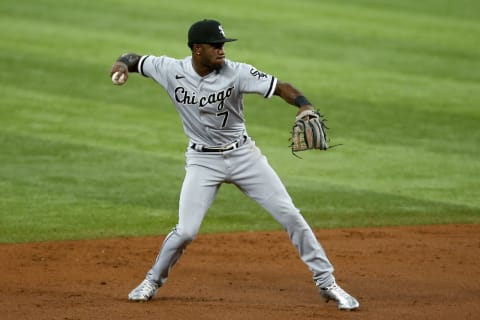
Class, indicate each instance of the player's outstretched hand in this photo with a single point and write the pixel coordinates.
(119, 73)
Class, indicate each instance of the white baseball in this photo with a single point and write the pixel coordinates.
(118, 78)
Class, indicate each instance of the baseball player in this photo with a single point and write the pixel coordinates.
(207, 91)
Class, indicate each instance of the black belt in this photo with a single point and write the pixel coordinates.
(227, 148)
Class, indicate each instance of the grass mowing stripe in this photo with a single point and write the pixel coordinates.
(443, 9)
(79, 190)
(53, 182)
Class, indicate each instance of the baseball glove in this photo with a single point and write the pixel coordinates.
(309, 132)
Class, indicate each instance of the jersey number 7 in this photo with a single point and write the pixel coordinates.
(223, 114)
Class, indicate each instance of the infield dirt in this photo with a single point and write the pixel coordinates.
(425, 272)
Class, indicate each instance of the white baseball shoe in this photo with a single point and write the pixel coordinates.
(341, 297)
(144, 292)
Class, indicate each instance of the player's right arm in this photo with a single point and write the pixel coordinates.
(126, 63)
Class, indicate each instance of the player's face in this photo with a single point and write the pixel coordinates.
(213, 56)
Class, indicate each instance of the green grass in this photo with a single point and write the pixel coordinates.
(398, 81)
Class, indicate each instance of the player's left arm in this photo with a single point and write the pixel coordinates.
(309, 130)
(292, 96)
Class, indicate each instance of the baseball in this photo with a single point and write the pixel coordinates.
(118, 78)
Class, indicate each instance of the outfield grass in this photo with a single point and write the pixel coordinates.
(82, 158)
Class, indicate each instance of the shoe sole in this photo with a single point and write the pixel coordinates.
(342, 308)
(139, 299)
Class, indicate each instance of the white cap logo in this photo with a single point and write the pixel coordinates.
(221, 30)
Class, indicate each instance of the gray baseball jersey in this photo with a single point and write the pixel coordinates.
(211, 107)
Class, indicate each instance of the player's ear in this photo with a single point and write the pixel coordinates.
(196, 49)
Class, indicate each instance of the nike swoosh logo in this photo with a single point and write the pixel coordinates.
(178, 76)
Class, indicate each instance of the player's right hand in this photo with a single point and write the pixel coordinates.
(119, 73)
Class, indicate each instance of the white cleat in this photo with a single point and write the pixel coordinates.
(144, 292)
(341, 297)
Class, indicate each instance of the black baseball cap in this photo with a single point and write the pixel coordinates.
(207, 31)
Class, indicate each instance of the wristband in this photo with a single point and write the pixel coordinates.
(301, 101)
(125, 60)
